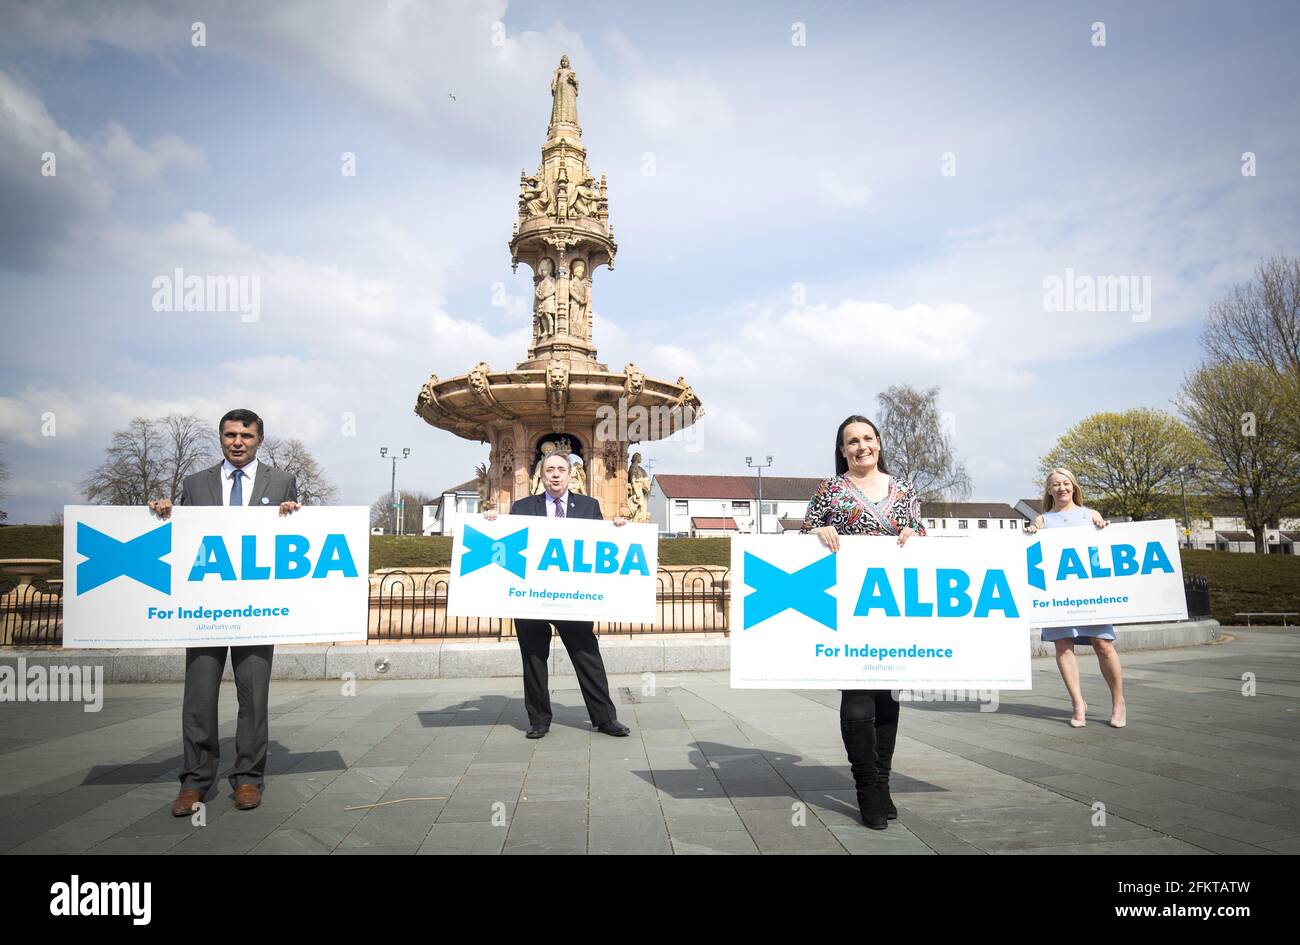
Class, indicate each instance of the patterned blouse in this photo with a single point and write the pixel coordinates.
(839, 503)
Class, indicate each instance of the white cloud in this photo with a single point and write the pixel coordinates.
(146, 165)
(41, 210)
(842, 191)
(677, 104)
(47, 212)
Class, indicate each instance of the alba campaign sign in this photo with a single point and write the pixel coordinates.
(553, 569)
(937, 612)
(214, 576)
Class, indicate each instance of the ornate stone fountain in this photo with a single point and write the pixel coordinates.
(560, 397)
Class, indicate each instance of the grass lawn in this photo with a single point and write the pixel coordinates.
(1246, 582)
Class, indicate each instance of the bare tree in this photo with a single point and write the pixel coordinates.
(1259, 322)
(189, 445)
(150, 460)
(134, 468)
(413, 504)
(917, 444)
(1238, 414)
(292, 456)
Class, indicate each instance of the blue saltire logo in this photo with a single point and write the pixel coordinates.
(1034, 564)
(139, 559)
(803, 590)
(482, 550)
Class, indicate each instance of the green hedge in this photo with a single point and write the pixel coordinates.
(31, 541)
(1238, 582)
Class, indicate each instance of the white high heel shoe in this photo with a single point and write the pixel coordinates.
(1080, 723)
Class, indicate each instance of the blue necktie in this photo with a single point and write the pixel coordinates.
(237, 487)
(559, 509)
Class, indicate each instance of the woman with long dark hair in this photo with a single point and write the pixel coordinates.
(862, 498)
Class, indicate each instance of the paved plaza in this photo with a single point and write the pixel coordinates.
(1201, 768)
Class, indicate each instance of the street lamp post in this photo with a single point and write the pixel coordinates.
(392, 497)
(1182, 486)
(749, 461)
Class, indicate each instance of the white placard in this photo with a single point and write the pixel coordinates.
(535, 567)
(1129, 572)
(937, 613)
(214, 576)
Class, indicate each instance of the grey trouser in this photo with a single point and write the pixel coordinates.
(203, 668)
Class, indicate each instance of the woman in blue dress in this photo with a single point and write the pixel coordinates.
(1063, 499)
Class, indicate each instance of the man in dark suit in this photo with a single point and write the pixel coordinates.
(579, 639)
(238, 480)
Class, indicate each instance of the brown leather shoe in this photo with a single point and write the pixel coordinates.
(183, 806)
(248, 796)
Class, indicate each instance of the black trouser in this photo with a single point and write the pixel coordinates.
(584, 652)
(202, 740)
(864, 704)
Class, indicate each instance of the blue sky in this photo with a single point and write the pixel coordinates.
(775, 164)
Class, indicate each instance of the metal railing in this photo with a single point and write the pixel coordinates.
(1196, 588)
(31, 614)
(409, 606)
(413, 606)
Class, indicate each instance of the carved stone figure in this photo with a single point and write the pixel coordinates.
(537, 198)
(557, 376)
(688, 397)
(426, 391)
(638, 491)
(579, 297)
(577, 477)
(478, 378)
(564, 97)
(547, 450)
(635, 382)
(507, 459)
(611, 454)
(586, 198)
(544, 300)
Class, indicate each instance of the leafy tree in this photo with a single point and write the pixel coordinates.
(1127, 463)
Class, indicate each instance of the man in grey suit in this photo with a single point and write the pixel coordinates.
(578, 636)
(238, 480)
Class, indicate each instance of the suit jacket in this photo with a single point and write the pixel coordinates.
(271, 484)
(580, 506)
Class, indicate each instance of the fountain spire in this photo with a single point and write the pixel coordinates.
(560, 397)
(562, 233)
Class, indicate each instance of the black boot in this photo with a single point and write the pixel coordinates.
(860, 743)
(886, 735)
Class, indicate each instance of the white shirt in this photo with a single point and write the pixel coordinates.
(250, 477)
(550, 504)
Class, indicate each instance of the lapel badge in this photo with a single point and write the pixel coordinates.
(265, 500)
